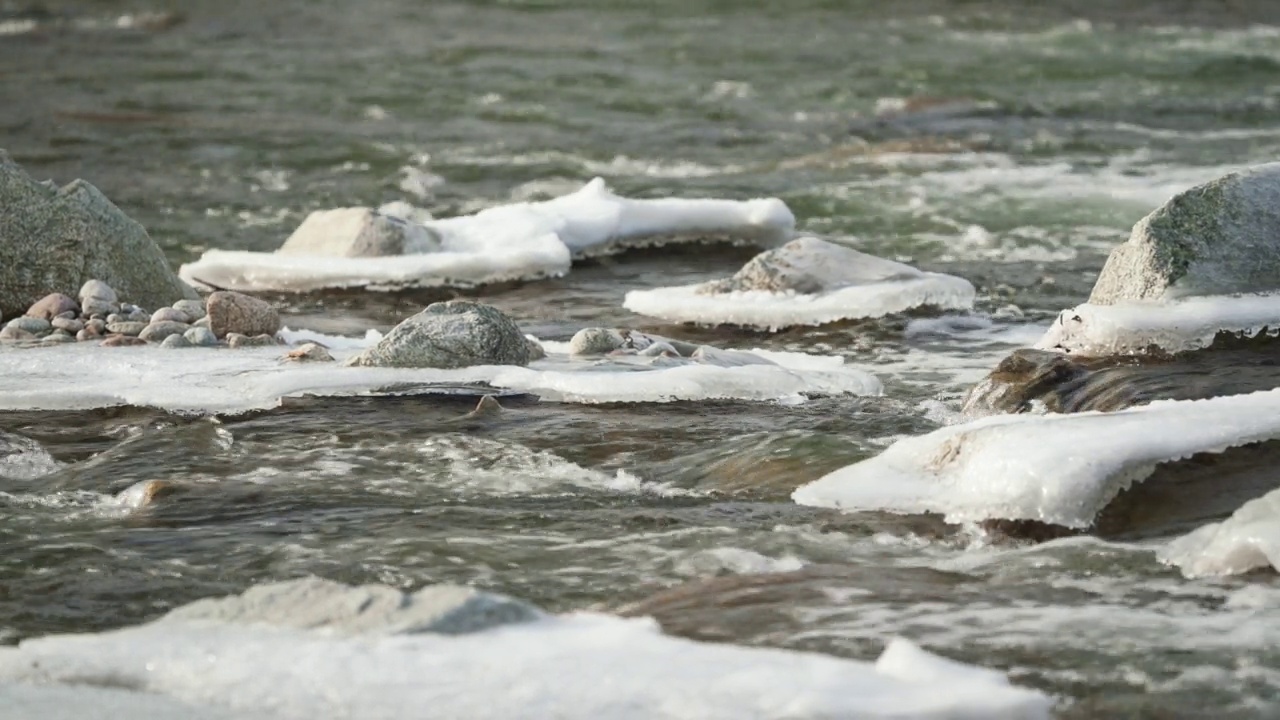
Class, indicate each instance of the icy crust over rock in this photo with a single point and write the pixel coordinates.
(1248, 540)
(219, 380)
(249, 663)
(808, 281)
(521, 241)
(1171, 326)
(1058, 469)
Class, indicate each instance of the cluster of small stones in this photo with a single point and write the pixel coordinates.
(225, 318)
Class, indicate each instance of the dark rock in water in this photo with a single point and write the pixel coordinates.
(122, 341)
(1062, 383)
(233, 312)
(1219, 238)
(452, 334)
(55, 239)
(51, 306)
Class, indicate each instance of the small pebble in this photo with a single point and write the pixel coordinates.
(311, 352)
(98, 290)
(9, 332)
(193, 309)
(51, 306)
(126, 328)
(201, 336)
(71, 325)
(58, 336)
(86, 335)
(33, 325)
(97, 326)
(115, 318)
(170, 315)
(175, 341)
(157, 331)
(122, 341)
(97, 306)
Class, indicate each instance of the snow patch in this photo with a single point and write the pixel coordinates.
(1248, 540)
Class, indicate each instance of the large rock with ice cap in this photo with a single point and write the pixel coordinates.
(358, 232)
(452, 334)
(1219, 238)
(314, 603)
(54, 239)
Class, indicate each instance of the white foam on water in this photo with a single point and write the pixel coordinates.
(24, 459)
(220, 380)
(575, 666)
(519, 241)
(1248, 540)
(1176, 325)
(704, 563)
(1058, 469)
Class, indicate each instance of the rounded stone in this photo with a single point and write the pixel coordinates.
(201, 336)
(84, 335)
(158, 331)
(115, 318)
(170, 315)
(97, 326)
(453, 334)
(33, 325)
(71, 325)
(310, 352)
(175, 341)
(11, 333)
(97, 306)
(98, 290)
(58, 336)
(193, 309)
(122, 341)
(51, 306)
(132, 329)
(233, 312)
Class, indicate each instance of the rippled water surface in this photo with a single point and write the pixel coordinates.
(1009, 143)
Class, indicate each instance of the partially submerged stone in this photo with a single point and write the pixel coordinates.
(309, 352)
(175, 341)
(358, 232)
(238, 340)
(453, 334)
(55, 239)
(314, 603)
(122, 341)
(201, 337)
(233, 312)
(159, 331)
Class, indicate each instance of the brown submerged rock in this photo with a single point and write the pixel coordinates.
(233, 312)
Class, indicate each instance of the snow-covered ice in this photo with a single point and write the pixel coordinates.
(808, 281)
(1248, 540)
(220, 380)
(1058, 469)
(1178, 325)
(521, 241)
(376, 653)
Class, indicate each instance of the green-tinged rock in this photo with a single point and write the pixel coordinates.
(453, 334)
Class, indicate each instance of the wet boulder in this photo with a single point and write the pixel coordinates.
(237, 313)
(52, 240)
(358, 232)
(1219, 238)
(452, 334)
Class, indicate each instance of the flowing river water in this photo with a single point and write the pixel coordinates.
(1009, 143)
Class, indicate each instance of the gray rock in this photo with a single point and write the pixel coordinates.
(122, 341)
(536, 351)
(193, 309)
(84, 335)
(33, 325)
(70, 325)
(58, 336)
(70, 314)
(358, 232)
(233, 312)
(56, 239)
(98, 290)
(132, 329)
(158, 331)
(175, 341)
(51, 306)
(97, 306)
(116, 318)
(453, 334)
(201, 337)
(170, 315)
(313, 603)
(810, 265)
(1218, 238)
(238, 340)
(9, 332)
(96, 326)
